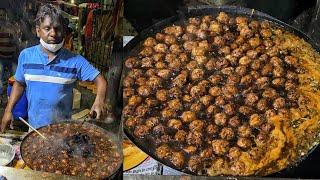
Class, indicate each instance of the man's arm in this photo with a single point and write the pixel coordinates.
(17, 91)
(99, 103)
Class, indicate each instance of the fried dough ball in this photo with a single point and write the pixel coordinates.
(128, 82)
(234, 153)
(266, 127)
(164, 73)
(196, 125)
(190, 149)
(160, 36)
(141, 110)
(197, 91)
(229, 109)
(198, 51)
(219, 41)
(223, 17)
(128, 92)
(175, 92)
(244, 143)
(188, 37)
(220, 101)
(183, 57)
(270, 93)
(152, 122)
(177, 159)
(244, 131)
(197, 74)
(132, 62)
(158, 129)
(245, 110)
(141, 130)
(251, 99)
(150, 42)
(191, 28)
(241, 70)
(225, 50)
(151, 102)
(162, 95)
(278, 82)
(262, 104)
(292, 76)
(291, 60)
(180, 136)
(175, 124)
(263, 82)
(192, 65)
(154, 82)
(201, 59)
(241, 20)
(215, 91)
(246, 80)
(168, 113)
(141, 81)
(151, 72)
(227, 133)
(215, 27)
(220, 119)
(194, 138)
(279, 103)
(212, 129)
(261, 139)
(132, 122)
(207, 153)
(265, 33)
(163, 151)
(188, 116)
(144, 91)
(212, 109)
(206, 100)
(270, 113)
(175, 49)
(147, 51)
(290, 85)
(194, 163)
(220, 147)
(134, 100)
(160, 48)
(175, 104)
(215, 79)
(128, 110)
(234, 122)
(254, 42)
(169, 39)
(204, 26)
(255, 120)
(266, 70)
(180, 80)
(147, 62)
(174, 30)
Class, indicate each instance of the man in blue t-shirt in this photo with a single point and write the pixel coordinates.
(48, 72)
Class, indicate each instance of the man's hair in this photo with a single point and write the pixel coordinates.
(50, 10)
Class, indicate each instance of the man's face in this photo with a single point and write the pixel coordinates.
(51, 32)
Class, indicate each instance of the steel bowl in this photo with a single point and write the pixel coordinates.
(7, 154)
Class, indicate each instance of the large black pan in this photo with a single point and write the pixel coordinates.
(134, 46)
(92, 124)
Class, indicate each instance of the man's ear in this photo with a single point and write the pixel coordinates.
(38, 31)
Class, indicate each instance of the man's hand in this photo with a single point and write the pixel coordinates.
(99, 103)
(6, 119)
(99, 108)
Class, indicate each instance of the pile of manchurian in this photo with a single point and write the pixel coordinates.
(72, 149)
(223, 96)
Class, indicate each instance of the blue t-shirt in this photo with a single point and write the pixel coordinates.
(49, 84)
